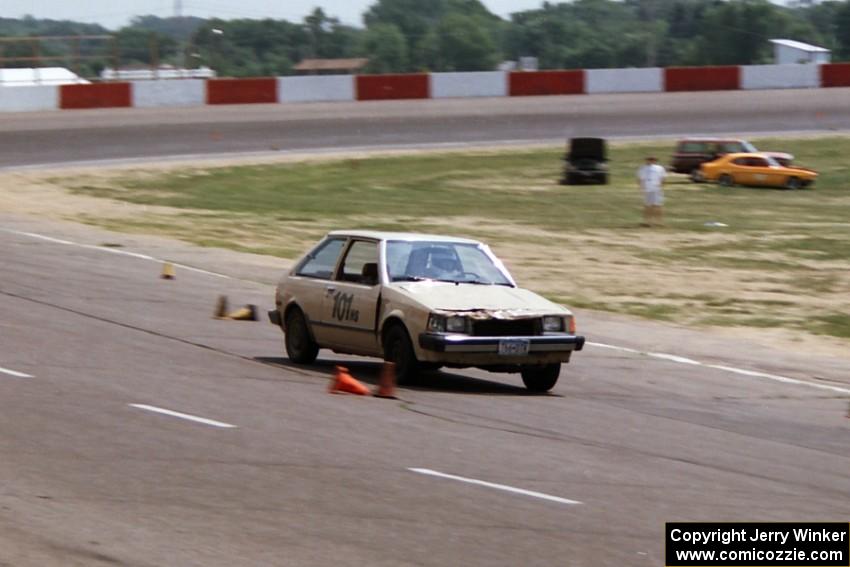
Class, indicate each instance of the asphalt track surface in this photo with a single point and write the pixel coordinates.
(465, 468)
(56, 137)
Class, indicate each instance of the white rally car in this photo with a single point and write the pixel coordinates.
(421, 301)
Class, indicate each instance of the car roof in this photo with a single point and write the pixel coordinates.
(744, 154)
(710, 139)
(405, 236)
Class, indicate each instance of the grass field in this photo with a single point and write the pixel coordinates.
(781, 260)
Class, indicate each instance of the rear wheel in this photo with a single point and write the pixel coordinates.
(541, 378)
(793, 183)
(697, 176)
(300, 347)
(399, 349)
(726, 180)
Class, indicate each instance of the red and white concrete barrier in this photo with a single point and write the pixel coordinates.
(537, 83)
(754, 77)
(648, 80)
(100, 95)
(28, 99)
(171, 92)
(835, 75)
(393, 87)
(726, 78)
(469, 84)
(339, 88)
(242, 91)
(320, 88)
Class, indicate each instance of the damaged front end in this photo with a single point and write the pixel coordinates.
(499, 337)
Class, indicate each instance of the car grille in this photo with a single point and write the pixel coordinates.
(506, 328)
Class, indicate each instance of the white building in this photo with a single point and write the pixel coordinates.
(788, 51)
(27, 77)
(162, 72)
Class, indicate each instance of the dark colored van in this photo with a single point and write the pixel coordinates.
(586, 162)
(691, 152)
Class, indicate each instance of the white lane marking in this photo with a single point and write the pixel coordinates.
(732, 369)
(14, 373)
(778, 378)
(674, 358)
(613, 347)
(185, 416)
(111, 251)
(506, 488)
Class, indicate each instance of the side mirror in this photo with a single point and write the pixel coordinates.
(369, 273)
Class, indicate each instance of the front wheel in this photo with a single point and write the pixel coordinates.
(541, 378)
(697, 176)
(793, 183)
(300, 346)
(726, 180)
(399, 349)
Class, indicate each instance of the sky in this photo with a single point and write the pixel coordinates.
(116, 13)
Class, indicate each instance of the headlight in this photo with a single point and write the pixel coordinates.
(553, 323)
(442, 324)
(436, 324)
(456, 324)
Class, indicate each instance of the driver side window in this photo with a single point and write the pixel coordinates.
(361, 263)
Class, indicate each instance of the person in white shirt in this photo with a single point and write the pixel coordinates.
(651, 177)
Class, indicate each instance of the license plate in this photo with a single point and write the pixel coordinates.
(513, 347)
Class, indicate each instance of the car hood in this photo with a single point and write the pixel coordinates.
(497, 300)
(798, 169)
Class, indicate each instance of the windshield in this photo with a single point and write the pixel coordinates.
(772, 162)
(442, 261)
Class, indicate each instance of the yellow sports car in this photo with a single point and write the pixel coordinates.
(756, 169)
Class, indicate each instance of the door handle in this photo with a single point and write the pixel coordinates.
(329, 290)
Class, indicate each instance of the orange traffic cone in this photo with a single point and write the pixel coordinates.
(221, 308)
(345, 382)
(247, 313)
(386, 384)
(168, 271)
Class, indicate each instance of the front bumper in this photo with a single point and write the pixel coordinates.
(490, 345)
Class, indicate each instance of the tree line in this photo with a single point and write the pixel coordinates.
(399, 36)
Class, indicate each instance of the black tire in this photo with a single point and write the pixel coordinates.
(541, 378)
(399, 349)
(697, 176)
(602, 179)
(793, 183)
(300, 346)
(726, 180)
